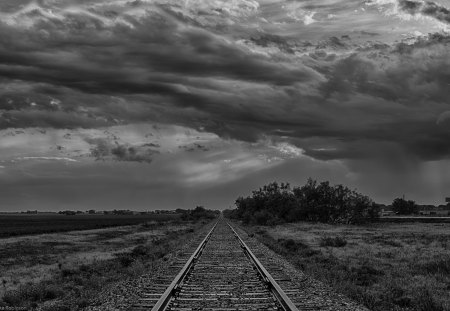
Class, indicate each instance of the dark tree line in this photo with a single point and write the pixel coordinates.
(198, 213)
(278, 203)
(403, 207)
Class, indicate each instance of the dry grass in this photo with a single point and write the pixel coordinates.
(40, 268)
(384, 266)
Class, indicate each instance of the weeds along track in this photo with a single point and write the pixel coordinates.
(221, 274)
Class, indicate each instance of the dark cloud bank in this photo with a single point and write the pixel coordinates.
(372, 101)
(427, 8)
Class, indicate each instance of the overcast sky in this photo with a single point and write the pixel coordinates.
(153, 104)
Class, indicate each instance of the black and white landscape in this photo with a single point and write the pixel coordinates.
(224, 155)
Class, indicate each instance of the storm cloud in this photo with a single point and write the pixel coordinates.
(427, 8)
(343, 81)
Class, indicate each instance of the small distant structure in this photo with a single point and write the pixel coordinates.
(435, 212)
(163, 211)
(387, 211)
(122, 212)
(439, 211)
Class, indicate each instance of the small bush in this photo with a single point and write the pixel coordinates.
(261, 231)
(158, 253)
(309, 252)
(52, 292)
(289, 244)
(83, 303)
(56, 306)
(33, 293)
(426, 302)
(12, 298)
(436, 266)
(365, 275)
(125, 259)
(333, 242)
(136, 268)
(85, 269)
(140, 250)
(392, 243)
(68, 272)
(77, 280)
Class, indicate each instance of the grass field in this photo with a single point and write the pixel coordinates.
(18, 224)
(384, 266)
(65, 270)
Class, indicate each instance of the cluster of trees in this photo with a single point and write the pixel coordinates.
(197, 213)
(278, 203)
(70, 212)
(402, 207)
(92, 212)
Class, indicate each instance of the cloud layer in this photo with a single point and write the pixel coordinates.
(427, 8)
(334, 80)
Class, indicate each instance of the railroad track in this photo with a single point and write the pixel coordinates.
(221, 274)
(229, 270)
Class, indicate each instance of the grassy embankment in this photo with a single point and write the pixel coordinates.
(65, 271)
(383, 266)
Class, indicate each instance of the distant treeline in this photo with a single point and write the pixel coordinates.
(197, 213)
(279, 203)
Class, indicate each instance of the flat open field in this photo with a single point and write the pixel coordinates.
(422, 219)
(66, 270)
(23, 224)
(385, 266)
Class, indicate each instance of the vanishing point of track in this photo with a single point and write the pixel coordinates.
(222, 274)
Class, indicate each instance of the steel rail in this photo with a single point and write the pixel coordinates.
(164, 300)
(284, 300)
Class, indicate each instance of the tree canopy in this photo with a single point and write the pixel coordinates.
(278, 203)
(403, 207)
